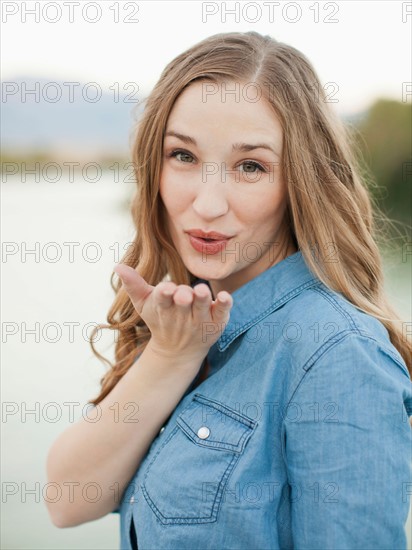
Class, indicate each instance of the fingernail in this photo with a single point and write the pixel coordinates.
(117, 273)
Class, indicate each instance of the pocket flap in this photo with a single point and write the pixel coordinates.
(212, 424)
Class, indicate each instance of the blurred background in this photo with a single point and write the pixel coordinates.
(74, 80)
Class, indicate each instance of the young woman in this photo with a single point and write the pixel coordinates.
(261, 390)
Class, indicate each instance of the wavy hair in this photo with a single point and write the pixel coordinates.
(329, 207)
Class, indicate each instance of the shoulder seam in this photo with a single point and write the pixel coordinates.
(326, 346)
(327, 294)
(340, 336)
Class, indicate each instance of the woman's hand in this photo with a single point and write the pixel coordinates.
(183, 321)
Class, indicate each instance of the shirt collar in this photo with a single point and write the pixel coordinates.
(265, 293)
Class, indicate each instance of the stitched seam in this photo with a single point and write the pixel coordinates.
(211, 443)
(200, 519)
(326, 345)
(176, 520)
(332, 300)
(365, 333)
(318, 354)
(247, 424)
(225, 409)
(273, 307)
(158, 451)
(309, 363)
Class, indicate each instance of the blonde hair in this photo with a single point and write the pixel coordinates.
(328, 202)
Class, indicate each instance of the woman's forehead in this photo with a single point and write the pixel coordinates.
(196, 116)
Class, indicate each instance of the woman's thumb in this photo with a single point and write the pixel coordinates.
(134, 284)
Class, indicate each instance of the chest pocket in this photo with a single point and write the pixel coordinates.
(185, 480)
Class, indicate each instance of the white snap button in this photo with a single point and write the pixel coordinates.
(162, 429)
(203, 432)
(131, 500)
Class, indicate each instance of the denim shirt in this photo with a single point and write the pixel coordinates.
(298, 438)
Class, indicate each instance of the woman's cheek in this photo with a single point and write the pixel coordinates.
(175, 193)
(266, 204)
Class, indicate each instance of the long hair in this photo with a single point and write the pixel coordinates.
(331, 215)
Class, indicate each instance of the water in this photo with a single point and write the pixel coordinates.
(43, 370)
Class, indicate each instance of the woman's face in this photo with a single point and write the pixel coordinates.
(213, 180)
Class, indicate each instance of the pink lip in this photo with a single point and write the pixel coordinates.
(208, 234)
(212, 247)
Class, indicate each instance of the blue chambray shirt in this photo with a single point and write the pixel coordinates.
(298, 438)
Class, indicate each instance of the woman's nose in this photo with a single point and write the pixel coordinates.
(211, 200)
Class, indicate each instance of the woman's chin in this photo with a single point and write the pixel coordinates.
(206, 270)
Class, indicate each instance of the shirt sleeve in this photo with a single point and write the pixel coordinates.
(347, 447)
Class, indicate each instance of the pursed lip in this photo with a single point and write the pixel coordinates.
(208, 234)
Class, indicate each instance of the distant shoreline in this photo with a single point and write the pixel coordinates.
(77, 161)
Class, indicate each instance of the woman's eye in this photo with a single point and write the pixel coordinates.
(183, 153)
(253, 165)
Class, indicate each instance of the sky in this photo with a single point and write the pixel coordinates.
(361, 50)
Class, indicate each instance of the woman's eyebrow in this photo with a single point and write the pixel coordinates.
(242, 147)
